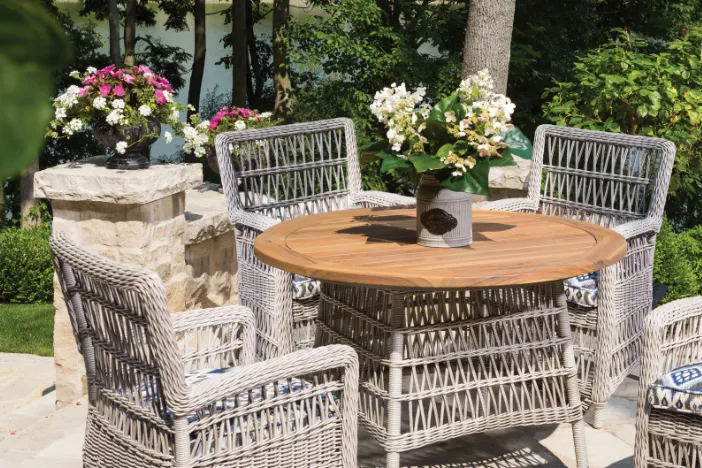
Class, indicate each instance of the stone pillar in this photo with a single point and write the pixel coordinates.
(134, 217)
(210, 250)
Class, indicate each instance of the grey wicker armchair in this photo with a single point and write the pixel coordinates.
(163, 392)
(279, 173)
(669, 419)
(617, 181)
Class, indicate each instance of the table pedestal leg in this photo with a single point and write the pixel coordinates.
(393, 405)
(564, 331)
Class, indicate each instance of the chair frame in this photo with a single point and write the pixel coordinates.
(608, 337)
(672, 338)
(277, 159)
(141, 407)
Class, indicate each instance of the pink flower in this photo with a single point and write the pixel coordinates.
(246, 113)
(119, 90)
(144, 69)
(128, 78)
(155, 83)
(83, 91)
(89, 80)
(105, 90)
(160, 98)
(106, 70)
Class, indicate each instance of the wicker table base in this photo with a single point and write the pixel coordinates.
(440, 365)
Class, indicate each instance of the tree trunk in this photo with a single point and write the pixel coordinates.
(198, 55)
(257, 89)
(29, 208)
(239, 68)
(2, 203)
(488, 39)
(115, 52)
(130, 32)
(281, 66)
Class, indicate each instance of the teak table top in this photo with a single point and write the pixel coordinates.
(377, 247)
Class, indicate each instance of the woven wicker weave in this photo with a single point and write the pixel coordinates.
(274, 174)
(143, 413)
(672, 337)
(440, 365)
(617, 181)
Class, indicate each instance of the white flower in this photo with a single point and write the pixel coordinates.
(239, 125)
(121, 147)
(69, 98)
(114, 117)
(118, 104)
(60, 113)
(148, 75)
(167, 95)
(175, 115)
(266, 115)
(191, 107)
(450, 116)
(91, 70)
(145, 110)
(99, 103)
(203, 125)
(168, 136)
(76, 125)
(74, 74)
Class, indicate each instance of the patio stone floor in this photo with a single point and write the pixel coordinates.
(34, 435)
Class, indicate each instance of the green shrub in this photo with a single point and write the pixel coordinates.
(677, 263)
(26, 270)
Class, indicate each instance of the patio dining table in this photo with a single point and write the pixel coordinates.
(450, 341)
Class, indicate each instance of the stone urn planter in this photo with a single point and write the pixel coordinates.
(444, 217)
(139, 138)
(211, 155)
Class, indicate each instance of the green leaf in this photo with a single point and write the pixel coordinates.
(473, 180)
(392, 161)
(505, 161)
(449, 103)
(426, 162)
(444, 150)
(32, 47)
(519, 144)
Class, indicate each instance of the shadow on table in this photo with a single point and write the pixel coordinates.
(401, 229)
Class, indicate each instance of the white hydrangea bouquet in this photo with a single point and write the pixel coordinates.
(124, 107)
(457, 140)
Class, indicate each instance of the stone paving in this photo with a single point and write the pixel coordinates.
(34, 435)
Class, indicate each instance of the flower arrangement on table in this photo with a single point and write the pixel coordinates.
(453, 145)
(200, 134)
(457, 140)
(124, 107)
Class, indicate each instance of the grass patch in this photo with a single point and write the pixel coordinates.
(27, 328)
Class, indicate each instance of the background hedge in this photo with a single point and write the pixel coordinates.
(26, 270)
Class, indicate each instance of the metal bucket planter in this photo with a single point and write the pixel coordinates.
(444, 217)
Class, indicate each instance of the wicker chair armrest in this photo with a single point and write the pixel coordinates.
(639, 227)
(672, 338)
(373, 198)
(512, 204)
(217, 337)
(254, 221)
(245, 378)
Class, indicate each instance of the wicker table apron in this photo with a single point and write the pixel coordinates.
(451, 341)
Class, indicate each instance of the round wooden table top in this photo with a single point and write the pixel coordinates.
(378, 248)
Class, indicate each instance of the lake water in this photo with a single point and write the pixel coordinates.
(215, 75)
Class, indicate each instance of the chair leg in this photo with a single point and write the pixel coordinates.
(572, 387)
(598, 414)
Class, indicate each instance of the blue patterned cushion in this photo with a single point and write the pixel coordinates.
(582, 290)
(679, 390)
(304, 288)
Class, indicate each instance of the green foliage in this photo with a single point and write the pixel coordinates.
(677, 262)
(629, 86)
(26, 269)
(27, 328)
(32, 46)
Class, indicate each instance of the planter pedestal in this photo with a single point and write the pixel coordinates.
(134, 217)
